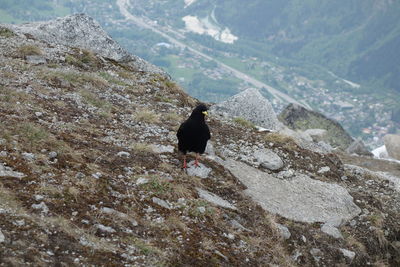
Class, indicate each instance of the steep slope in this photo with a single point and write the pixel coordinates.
(89, 175)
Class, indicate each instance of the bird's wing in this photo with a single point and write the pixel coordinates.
(208, 132)
(179, 134)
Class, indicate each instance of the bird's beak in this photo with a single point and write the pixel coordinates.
(205, 113)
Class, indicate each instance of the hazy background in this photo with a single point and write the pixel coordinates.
(339, 57)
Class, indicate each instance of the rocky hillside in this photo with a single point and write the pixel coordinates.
(90, 175)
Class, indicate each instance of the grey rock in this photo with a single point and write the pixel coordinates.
(286, 174)
(201, 209)
(301, 198)
(123, 154)
(358, 147)
(331, 230)
(268, 159)
(249, 105)
(36, 60)
(3, 153)
(392, 144)
(201, 171)
(297, 117)
(28, 156)
(348, 253)
(42, 206)
(283, 230)
(39, 197)
(97, 175)
(235, 224)
(324, 169)
(159, 149)
(214, 199)
(53, 155)
(19, 223)
(2, 237)
(105, 229)
(7, 172)
(80, 30)
(141, 181)
(161, 202)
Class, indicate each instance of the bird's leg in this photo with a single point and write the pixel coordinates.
(196, 162)
(184, 162)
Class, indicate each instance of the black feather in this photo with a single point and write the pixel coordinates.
(194, 133)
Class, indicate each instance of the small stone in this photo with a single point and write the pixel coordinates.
(19, 223)
(79, 175)
(200, 171)
(213, 198)
(332, 231)
(38, 114)
(324, 169)
(2, 237)
(123, 154)
(42, 206)
(36, 59)
(201, 209)
(141, 181)
(304, 239)
(159, 149)
(284, 231)
(53, 155)
(74, 213)
(39, 197)
(105, 229)
(161, 203)
(97, 175)
(28, 156)
(348, 254)
(3, 154)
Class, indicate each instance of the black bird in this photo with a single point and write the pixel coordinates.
(193, 134)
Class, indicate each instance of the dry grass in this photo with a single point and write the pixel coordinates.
(28, 50)
(280, 139)
(94, 100)
(244, 123)
(34, 136)
(147, 116)
(175, 223)
(83, 59)
(73, 77)
(142, 149)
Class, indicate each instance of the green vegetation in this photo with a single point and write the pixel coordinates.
(244, 123)
(4, 32)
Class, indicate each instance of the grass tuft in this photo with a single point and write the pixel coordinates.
(244, 123)
(28, 50)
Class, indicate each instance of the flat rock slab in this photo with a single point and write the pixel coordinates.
(214, 199)
(301, 198)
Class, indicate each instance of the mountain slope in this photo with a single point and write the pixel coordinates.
(90, 174)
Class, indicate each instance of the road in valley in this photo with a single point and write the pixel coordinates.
(125, 4)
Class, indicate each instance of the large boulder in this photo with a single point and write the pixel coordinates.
(392, 144)
(250, 105)
(300, 198)
(82, 31)
(299, 118)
